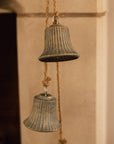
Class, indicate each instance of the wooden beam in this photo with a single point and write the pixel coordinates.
(63, 15)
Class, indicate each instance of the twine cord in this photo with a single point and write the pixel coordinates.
(46, 80)
(47, 14)
(54, 6)
(59, 99)
(61, 139)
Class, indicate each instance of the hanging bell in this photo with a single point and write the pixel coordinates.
(43, 116)
(58, 45)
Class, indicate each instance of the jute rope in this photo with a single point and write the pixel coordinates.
(54, 6)
(61, 139)
(47, 13)
(46, 78)
(59, 99)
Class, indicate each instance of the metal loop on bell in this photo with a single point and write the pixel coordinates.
(45, 90)
(43, 117)
(56, 18)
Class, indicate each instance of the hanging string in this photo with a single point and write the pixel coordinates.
(47, 14)
(61, 139)
(46, 80)
(59, 100)
(54, 6)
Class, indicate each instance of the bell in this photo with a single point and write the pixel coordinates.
(58, 45)
(43, 117)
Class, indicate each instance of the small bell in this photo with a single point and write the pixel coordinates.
(43, 116)
(58, 45)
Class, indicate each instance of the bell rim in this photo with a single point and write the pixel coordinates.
(59, 57)
(47, 131)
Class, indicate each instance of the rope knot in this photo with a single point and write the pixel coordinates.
(46, 81)
(63, 141)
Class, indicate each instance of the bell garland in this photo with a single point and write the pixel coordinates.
(43, 117)
(58, 48)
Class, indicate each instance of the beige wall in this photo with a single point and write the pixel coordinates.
(62, 5)
(86, 84)
(78, 81)
(101, 80)
(82, 82)
(110, 82)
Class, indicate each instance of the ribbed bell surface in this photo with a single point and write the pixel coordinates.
(43, 117)
(58, 45)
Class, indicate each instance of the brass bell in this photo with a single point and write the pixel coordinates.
(43, 117)
(58, 45)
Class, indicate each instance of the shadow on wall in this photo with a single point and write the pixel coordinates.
(11, 5)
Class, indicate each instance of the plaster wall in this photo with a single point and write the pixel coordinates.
(78, 79)
(82, 86)
(62, 5)
(110, 74)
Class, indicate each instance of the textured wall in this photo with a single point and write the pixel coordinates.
(78, 77)
(101, 80)
(110, 92)
(63, 5)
